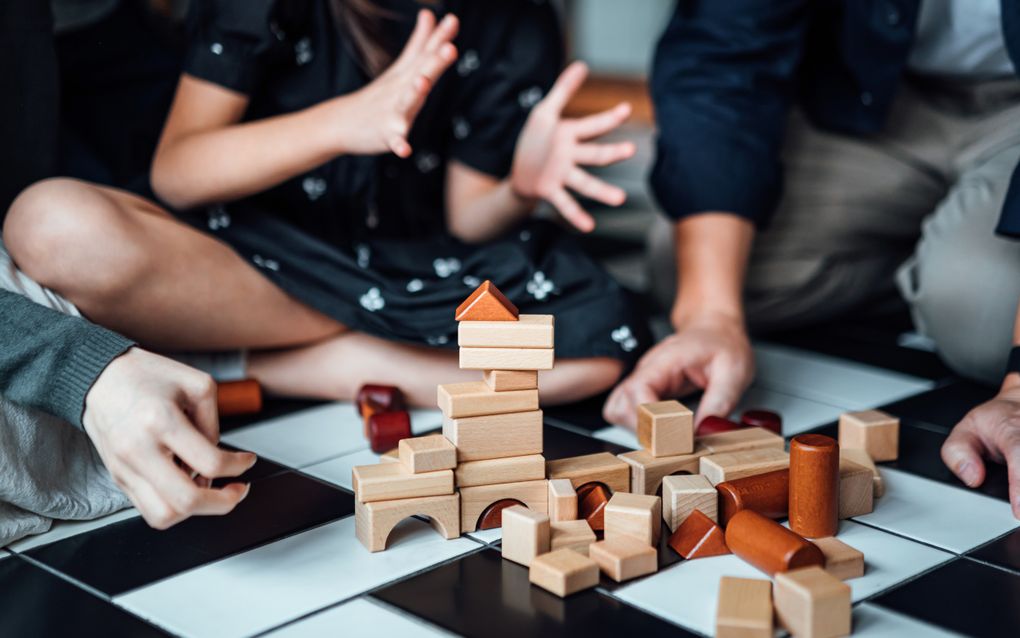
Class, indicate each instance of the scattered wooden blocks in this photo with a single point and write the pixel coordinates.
(529, 331)
(635, 516)
(478, 438)
(486, 303)
(769, 546)
(737, 440)
(506, 358)
(511, 469)
(389, 481)
(730, 466)
(576, 535)
(475, 500)
(525, 534)
(601, 467)
(861, 457)
(698, 537)
(373, 522)
(592, 499)
(841, 560)
(856, 489)
(427, 454)
(744, 609)
(509, 380)
(768, 494)
(874, 431)
(812, 603)
(238, 397)
(562, 500)
(386, 429)
(763, 419)
(647, 471)
(666, 428)
(564, 572)
(624, 558)
(681, 495)
(474, 398)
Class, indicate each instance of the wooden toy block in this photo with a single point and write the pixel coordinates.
(373, 522)
(511, 469)
(564, 572)
(510, 380)
(744, 609)
(386, 429)
(592, 499)
(562, 500)
(730, 466)
(874, 431)
(841, 560)
(474, 398)
(737, 440)
(624, 558)
(529, 331)
(763, 419)
(525, 534)
(768, 494)
(637, 516)
(495, 436)
(507, 358)
(601, 467)
(666, 428)
(681, 495)
(390, 456)
(717, 424)
(427, 453)
(391, 481)
(647, 471)
(475, 500)
(238, 397)
(856, 489)
(698, 537)
(575, 535)
(814, 485)
(373, 398)
(486, 303)
(492, 517)
(769, 546)
(861, 457)
(812, 603)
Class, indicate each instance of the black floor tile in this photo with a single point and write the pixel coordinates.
(559, 443)
(1004, 552)
(483, 595)
(129, 554)
(263, 468)
(667, 557)
(34, 602)
(944, 406)
(584, 415)
(963, 596)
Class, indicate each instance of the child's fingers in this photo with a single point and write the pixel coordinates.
(566, 86)
(572, 211)
(602, 123)
(962, 454)
(435, 64)
(592, 187)
(443, 33)
(400, 147)
(603, 154)
(424, 26)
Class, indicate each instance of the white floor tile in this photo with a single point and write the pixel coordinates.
(4, 554)
(487, 535)
(67, 529)
(270, 585)
(872, 621)
(619, 435)
(799, 414)
(360, 617)
(338, 471)
(942, 515)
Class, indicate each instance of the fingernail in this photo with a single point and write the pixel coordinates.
(967, 473)
(247, 490)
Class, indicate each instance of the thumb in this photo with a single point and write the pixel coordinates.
(962, 454)
(722, 391)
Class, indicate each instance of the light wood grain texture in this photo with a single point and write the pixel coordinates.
(474, 398)
(812, 603)
(601, 467)
(495, 436)
(391, 456)
(511, 469)
(744, 609)
(576, 535)
(733, 465)
(390, 481)
(509, 380)
(562, 500)
(637, 516)
(856, 489)
(529, 331)
(647, 471)
(861, 457)
(474, 500)
(507, 358)
(427, 453)
(373, 522)
(841, 560)
(681, 495)
(874, 431)
(624, 558)
(525, 534)
(666, 428)
(743, 439)
(563, 572)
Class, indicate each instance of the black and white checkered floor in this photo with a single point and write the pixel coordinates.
(941, 559)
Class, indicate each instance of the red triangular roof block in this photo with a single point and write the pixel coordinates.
(487, 303)
(699, 537)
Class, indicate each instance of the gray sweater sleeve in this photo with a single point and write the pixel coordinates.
(49, 360)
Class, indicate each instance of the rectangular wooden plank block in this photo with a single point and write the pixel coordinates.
(525, 534)
(647, 471)
(391, 481)
(563, 572)
(730, 466)
(601, 467)
(511, 469)
(529, 331)
(812, 603)
(427, 453)
(508, 380)
(495, 436)
(562, 500)
(475, 398)
(507, 358)
(736, 440)
(744, 609)
(666, 428)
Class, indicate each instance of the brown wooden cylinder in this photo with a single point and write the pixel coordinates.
(768, 545)
(814, 485)
(238, 397)
(768, 494)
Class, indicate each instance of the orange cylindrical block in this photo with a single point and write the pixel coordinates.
(768, 494)
(768, 545)
(814, 485)
(238, 397)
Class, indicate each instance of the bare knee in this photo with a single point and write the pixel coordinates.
(577, 379)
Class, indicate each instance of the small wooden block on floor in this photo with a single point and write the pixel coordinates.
(647, 471)
(474, 500)
(737, 440)
(841, 560)
(510, 380)
(390, 481)
(526, 534)
(562, 500)
(744, 609)
(681, 495)
(636, 516)
(507, 358)
(601, 467)
(474, 398)
(874, 431)
(495, 436)
(861, 457)
(575, 535)
(373, 522)
(427, 454)
(856, 489)
(812, 603)
(666, 428)
(511, 469)
(624, 558)
(564, 572)
(730, 466)
(486, 303)
(698, 537)
(529, 331)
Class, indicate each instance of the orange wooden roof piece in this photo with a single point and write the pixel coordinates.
(487, 303)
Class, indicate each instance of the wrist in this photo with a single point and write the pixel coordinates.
(335, 118)
(692, 308)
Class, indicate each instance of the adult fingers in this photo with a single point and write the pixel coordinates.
(621, 406)
(566, 86)
(185, 498)
(594, 188)
(200, 392)
(424, 26)
(1008, 442)
(601, 123)
(725, 384)
(603, 154)
(962, 453)
(572, 211)
(202, 456)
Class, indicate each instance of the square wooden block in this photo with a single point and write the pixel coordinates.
(562, 500)
(856, 489)
(638, 516)
(812, 603)
(731, 466)
(683, 494)
(874, 431)
(525, 534)
(666, 428)
(624, 558)
(509, 380)
(564, 572)
(841, 560)
(427, 453)
(575, 535)
(744, 609)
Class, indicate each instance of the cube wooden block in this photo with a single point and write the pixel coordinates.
(390, 481)
(874, 431)
(637, 516)
(576, 535)
(861, 457)
(564, 572)
(841, 560)
(373, 522)
(507, 358)
(681, 495)
(487, 303)
(474, 500)
(562, 500)
(730, 466)
(647, 471)
(601, 467)
(427, 454)
(744, 609)
(812, 603)
(496, 436)
(475, 398)
(624, 558)
(525, 534)
(856, 489)
(666, 428)
(510, 380)
(511, 469)
(737, 440)
(529, 331)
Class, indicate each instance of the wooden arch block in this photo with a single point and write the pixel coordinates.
(601, 467)
(373, 522)
(475, 500)
(487, 303)
(647, 471)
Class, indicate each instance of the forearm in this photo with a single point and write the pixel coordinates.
(480, 207)
(712, 251)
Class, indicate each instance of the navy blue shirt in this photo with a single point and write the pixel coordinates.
(726, 74)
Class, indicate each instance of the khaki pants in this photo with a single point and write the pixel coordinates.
(906, 213)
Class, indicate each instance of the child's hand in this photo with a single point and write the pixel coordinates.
(551, 151)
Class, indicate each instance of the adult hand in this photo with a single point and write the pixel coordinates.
(709, 351)
(145, 412)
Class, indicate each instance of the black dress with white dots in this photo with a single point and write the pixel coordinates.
(364, 239)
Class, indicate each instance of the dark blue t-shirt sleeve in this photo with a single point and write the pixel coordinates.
(229, 42)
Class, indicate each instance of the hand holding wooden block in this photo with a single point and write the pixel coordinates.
(683, 494)
(564, 572)
(427, 454)
(874, 431)
(525, 534)
(562, 500)
(624, 558)
(666, 428)
(635, 516)
(744, 609)
(811, 603)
